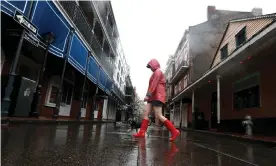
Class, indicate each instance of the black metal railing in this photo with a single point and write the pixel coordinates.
(109, 29)
(80, 20)
(106, 64)
(183, 63)
(119, 93)
(102, 7)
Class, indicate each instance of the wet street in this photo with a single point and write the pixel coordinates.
(105, 145)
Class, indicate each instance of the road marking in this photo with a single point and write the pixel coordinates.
(225, 154)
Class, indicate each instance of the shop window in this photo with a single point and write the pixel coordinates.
(53, 94)
(247, 98)
(247, 92)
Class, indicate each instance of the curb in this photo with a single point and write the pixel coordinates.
(38, 121)
(270, 143)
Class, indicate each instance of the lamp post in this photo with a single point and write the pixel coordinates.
(49, 38)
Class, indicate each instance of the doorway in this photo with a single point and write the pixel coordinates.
(214, 110)
(67, 93)
(84, 101)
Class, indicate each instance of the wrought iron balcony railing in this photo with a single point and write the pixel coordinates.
(179, 72)
(102, 7)
(109, 29)
(79, 19)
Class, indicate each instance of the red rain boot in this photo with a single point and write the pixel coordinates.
(174, 132)
(143, 129)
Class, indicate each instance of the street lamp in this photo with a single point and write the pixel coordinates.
(49, 39)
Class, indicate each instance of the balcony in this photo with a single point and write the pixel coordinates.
(129, 94)
(118, 93)
(80, 20)
(179, 72)
(109, 29)
(102, 7)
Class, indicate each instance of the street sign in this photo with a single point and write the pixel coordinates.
(23, 21)
(32, 39)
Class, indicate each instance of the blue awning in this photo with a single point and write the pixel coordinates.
(78, 54)
(102, 79)
(48, 18)
(108, 85)
(93, 70)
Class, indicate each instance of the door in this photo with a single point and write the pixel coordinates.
(66, 98)
(214, 110)
(84, 103)
(184, 115)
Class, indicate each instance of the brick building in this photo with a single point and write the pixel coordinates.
(194, 55)
(238, 81)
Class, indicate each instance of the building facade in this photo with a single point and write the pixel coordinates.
(64, 54)
(195, 54)
(238, 83)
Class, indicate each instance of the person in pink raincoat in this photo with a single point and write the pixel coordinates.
(155, 98)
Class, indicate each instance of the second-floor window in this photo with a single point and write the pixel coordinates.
(224, 52)
(241, 37)
(185, 81)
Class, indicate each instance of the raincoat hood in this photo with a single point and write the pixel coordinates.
(154, 64)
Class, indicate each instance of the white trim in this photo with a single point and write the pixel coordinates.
(7, 9)
(16, 7)
(237, 52)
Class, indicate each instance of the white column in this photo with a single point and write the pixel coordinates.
(218, 99)
(193, 102)
(105, 109)
(180, 114)
(173, 113)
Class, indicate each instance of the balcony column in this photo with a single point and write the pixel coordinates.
(193, 109)
(180, 114)
(218, 100)
(173, 113)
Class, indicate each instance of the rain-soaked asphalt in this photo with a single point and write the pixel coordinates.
(104, 145)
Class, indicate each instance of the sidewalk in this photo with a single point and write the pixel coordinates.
(257, 139)
(43, 120)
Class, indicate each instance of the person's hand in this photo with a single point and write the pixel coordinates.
(146, 98)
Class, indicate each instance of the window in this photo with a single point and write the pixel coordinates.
(247, 98)
(247, 92)
(53, 94)
(118, 76)
(119, 65)
(241, 37)
(185, 81)
(224, 52)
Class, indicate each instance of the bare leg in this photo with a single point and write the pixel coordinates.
(147, 111)
(158, 114)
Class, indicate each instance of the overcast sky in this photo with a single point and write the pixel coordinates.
(153, 28)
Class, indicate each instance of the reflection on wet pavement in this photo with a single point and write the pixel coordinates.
(105, 145)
